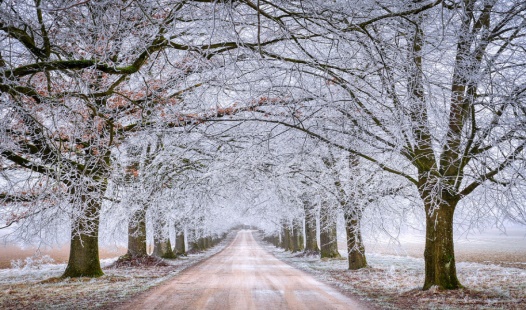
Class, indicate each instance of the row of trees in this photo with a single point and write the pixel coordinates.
(175, 108)
(427, 91)
(331, 186)
(78, 82)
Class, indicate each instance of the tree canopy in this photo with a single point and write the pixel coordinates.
(205, 113)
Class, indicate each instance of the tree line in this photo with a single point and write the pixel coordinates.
(137, 108)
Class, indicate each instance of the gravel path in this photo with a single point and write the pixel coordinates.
(243, 276)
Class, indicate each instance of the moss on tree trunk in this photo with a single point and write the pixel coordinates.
(193, 240)
(137, 235)
(201, 243)
(287, 241)
(161, 242)
(180, 248)
(439, 254)
(163, 248)
(84, 251)
(328, 234)
(355, 246)
(297, 235)
(311, 237)
(274, 239)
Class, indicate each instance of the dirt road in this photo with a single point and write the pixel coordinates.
(243, 276)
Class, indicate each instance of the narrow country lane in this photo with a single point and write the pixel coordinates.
(243, 276)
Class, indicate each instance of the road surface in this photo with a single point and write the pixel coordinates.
(243, 276)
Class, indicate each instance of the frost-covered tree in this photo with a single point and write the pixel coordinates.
(433, 86)
(70, 89)
(76, 80)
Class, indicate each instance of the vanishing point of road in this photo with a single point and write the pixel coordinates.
(243, 276)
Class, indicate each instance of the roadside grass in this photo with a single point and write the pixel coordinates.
(40, 286)
(390, 282)
(394, 282)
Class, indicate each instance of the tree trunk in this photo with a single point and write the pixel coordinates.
(439, 254)
(328, 234)
(163, 249)
(84, 251)
(193, 240)
(355, 246)
(276, 240)
(180, 248)
(202, 243)
(137, 235)
(161, 243)
(287, 238)
(291, 239)
(273, 239)
(311, 237)
(297, 237)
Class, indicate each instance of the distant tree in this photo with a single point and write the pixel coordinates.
(328, 233)
(180, 245)
(311, 232)
(297, 235)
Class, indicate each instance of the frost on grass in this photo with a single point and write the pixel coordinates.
(32, 262)
(29, 287)
(394, 282)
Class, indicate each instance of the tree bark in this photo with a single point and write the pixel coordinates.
(84, 251)
(439, 254)
(311, 240)
(202, 243)
(297, 230)
(193, 240)
(328, 234)
(276, 240)
(180, 248)
(137, 235)
(355, 246)
(161, 243)
(163, 249)
(287, 237)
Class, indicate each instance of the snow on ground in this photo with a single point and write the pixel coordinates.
(38, 286)
(394, 282)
